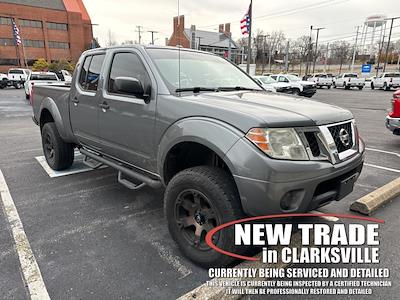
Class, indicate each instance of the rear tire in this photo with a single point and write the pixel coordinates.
(329, 87)
(197, 200)
(59, 154)
(360, 88)
(372, 86)
(27, 96)
(386, 87)
(346, 87)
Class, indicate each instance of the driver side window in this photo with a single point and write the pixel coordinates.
(127, 64)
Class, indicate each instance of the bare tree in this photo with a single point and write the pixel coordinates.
(341, 51)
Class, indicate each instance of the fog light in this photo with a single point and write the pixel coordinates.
(292, 200)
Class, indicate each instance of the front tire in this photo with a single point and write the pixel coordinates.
(372, 86)
(197, 200)
(59, 154)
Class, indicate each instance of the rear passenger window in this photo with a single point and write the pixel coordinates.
(84, 71)
(94, 72)
(90, 73)
(127, 65)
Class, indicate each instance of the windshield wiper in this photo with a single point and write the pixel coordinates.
(236, 88)
(196, 90)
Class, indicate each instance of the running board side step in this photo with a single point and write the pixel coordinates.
(92, 164)
(145, 180)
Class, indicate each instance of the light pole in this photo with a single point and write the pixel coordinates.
(355, 50)
(388, 43)
(316, 47)
(309, 50)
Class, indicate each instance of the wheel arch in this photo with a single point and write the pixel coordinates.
(199, 138)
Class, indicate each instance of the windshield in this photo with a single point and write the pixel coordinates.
(293, 78)
(393, 75)
(350, 76)
(267, 79)
(48, 77)
(198, 70)
(15, 72)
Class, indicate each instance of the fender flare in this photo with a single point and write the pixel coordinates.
(51, 106)
(214, 134)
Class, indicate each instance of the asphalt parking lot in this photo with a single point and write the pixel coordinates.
(95, 239)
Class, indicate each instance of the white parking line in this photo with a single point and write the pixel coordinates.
(383, 151)
(77, 167)
(30, 269)
(328, 218)
(382, 168)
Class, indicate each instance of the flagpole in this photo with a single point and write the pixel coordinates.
(249, 42)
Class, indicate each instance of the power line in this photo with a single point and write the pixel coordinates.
(289, 11)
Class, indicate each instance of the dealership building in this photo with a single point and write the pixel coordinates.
(49, 29)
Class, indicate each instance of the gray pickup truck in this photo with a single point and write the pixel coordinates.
(198, 125)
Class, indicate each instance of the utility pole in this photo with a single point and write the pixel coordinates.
(152, 35)
(316, 47)
(379, 54)
(388, 43)
(287, 57)
(326, 56)
(249, 41)
(355, 50)
(139, 29)
(309, 49)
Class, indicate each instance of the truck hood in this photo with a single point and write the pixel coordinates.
(266, 109)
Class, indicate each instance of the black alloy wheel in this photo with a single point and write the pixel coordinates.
(195, 217)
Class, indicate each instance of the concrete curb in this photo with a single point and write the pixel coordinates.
(217, 292)
(371, 202)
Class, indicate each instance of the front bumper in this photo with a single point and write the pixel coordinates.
(393, 124)
(308, 92)
(266, 185)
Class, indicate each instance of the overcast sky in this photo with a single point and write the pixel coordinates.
(293, 17)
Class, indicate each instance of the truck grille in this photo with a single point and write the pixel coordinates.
(313, 143)
(343, 136)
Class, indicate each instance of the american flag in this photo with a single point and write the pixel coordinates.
(245, 23)
(17, 37)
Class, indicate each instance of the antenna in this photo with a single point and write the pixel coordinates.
(179, 48)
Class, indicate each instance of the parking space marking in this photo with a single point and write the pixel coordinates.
(382, 168)
(29, 267)
(328, 218)
(383, 151)
(171, 259)
(77, 167)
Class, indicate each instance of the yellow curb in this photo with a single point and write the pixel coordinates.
(214, 291)
(371, 202)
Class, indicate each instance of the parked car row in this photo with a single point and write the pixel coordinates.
(286, 83)
(19, 77)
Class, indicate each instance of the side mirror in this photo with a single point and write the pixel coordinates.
(130, 86)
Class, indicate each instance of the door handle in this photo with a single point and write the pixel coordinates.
(104, 106)
(75, 101)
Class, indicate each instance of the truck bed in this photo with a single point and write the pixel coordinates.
(59, 94)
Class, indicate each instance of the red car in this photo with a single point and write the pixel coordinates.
(393, 119)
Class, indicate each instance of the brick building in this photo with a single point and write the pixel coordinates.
(219, 43)
(50, 29)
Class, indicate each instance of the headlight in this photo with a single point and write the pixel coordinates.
(282, 143)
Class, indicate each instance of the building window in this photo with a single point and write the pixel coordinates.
(5, 21)
(58, 45)
(57, 26)
(30, 23)
(7, 42)
(8, 62)
(34, 43)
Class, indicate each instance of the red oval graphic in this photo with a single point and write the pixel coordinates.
(222, 226)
